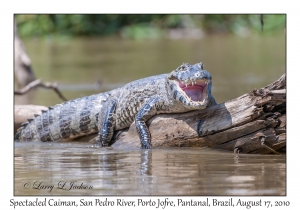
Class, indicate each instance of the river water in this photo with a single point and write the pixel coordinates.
(85, 66)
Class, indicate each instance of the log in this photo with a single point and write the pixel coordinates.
(252, 123)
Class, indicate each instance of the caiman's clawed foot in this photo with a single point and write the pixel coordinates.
(98, 143)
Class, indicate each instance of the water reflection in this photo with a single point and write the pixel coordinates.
(146, 172)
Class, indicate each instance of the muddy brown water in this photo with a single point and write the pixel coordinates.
(88, 66)
(50, 169)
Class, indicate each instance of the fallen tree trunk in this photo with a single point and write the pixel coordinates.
(252, 123)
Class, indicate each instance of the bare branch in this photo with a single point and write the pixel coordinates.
(39, 83)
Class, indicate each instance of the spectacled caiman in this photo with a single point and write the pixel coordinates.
(186, 88)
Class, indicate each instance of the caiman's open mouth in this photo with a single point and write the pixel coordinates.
(195, 91)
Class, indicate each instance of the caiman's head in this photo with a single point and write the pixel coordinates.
(190, 85)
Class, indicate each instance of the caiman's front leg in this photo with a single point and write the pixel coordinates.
(151, 108)
(106, 122)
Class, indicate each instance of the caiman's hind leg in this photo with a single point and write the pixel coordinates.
(151, 108)
(106, 122)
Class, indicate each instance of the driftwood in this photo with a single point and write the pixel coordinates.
(23, 70)
(24, 75)
(252, 123)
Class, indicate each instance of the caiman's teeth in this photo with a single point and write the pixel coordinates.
(185, 85)
(192, 83)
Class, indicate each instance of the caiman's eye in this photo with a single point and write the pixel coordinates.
(172, 77)
(181, 68)
(197, 74)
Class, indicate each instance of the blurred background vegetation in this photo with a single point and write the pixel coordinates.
(144, 26)
(90, 53)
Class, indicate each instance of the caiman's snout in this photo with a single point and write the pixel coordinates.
(203, 74)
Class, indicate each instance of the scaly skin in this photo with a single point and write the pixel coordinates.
(184, 89)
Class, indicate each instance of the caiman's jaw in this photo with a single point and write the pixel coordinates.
(194, 91)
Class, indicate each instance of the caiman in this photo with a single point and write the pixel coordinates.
(186, 88)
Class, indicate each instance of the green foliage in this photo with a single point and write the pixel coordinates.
(141, 26)
(141, 31)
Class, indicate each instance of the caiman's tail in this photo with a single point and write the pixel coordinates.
(65, 121)
(50, 125)
(28, 130)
